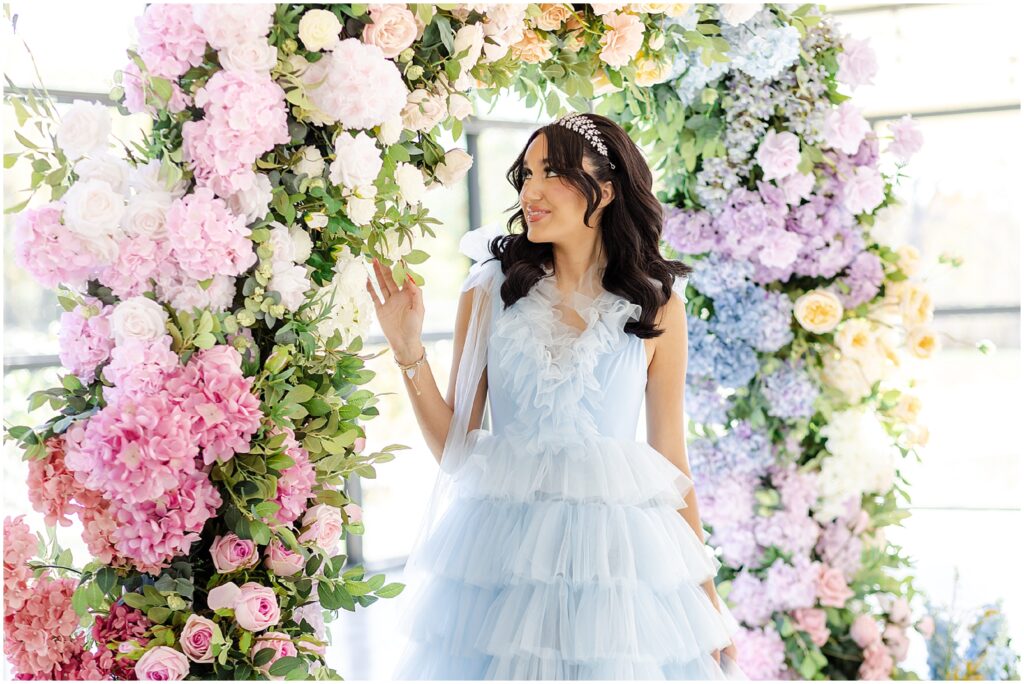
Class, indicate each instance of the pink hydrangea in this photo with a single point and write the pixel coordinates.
(135, 448)
(185, 294)
(761, 652)
(749, 600)
(79, 664)
(53, 489)
(169, 39)
(246, 116)
(49, 251)
(212, 391)
(138, 262)
(206, 238)
(98, 527)
(231, 24)
(152, 533)
(19, 549)
(296, 483)
(135, 96)
(85, 338)
(139, 367)
(39, 636)
(122, 623)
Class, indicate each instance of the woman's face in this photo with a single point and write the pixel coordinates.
(559, 205)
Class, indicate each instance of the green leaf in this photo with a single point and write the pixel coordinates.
(260, 532)
(299, 394)
(162, 88)
(159, 614)
(263, 656)
(284, 665)
(390, 590)
(10, 159)
(137, 601)
(205, 340)
(152, 595)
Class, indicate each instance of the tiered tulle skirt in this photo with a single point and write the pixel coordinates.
(563, 559)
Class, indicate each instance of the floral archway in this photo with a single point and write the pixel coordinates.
(216, 399)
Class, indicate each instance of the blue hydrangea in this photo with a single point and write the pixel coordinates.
(704, 403)
(999, 663)
(776, 314)
(700, 360)
(735, 363)
(718, 274)
(742, 451)
(790, 391)
(760, 48)
(690, 75)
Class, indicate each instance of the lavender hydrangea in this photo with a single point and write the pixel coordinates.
(688, 231)
(792, 586)
(754, 316)
(790, 391)
(742, 451)
(864, 277)
(704, 403)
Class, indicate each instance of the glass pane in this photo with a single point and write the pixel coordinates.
(498, 147)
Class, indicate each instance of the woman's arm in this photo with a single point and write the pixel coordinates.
(666, 378)
(434, 412)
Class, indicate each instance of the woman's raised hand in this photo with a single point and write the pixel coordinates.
(400, 313)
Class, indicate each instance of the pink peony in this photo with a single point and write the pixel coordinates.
(169, 40)
(392, 28)
(206, 238)
(864, 630)
(153, 533)
(814, 621)
(85, 338)
(281, 560)
(197, 639)
(230, 24)
(322, 525)
(256, 607)
(864, 190)
(622, 40)
(357, 86)
(49, 251)
(231, 553)
(139, 367)
(857, 63)
(779, 154)
(878, 663)
(162, 664)
(845, 128)
(832, 587)
(40, 635)
(224, 412)
(906, 138)
(761, 653)
(135, 449)
(282, 646)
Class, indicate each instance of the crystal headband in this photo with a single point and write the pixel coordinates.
(585, 127)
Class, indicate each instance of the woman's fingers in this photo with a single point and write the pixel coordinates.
(373, 294)
(387, 281)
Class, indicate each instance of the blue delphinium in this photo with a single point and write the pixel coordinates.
(790, 391)
(988, 654)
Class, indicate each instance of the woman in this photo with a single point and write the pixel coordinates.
(557, 545)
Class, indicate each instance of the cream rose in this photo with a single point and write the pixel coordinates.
(922, 342)
(651, 71)
(146, 214)
(551, 16)
(319, 30)
(93, 209)
(392, 28)
(856, 338)
(909, 260)
(459, 106)
(291, 282)
(423, 110)
(138, 318)
(105, 167)
(84, 129)
(818, 311)
(471, 37)
(302, 244)
(454, 167)
(254, 202)
(737, 13)
(412, 186)
(311, 162)
(361, 210)
(908, 408)
(391, 130)
(253, 56)
(915, 305)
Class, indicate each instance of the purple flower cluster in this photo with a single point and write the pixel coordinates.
(790, 391)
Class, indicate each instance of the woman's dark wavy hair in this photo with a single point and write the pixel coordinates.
(630, 225)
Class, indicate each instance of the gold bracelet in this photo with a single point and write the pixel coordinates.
(410, 368)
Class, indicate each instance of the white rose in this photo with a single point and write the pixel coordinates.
(397, 248)
(319, 30)
(391, 130)
(922, 342)
(471, 37)
(738, 12)
(459, 106)
(93, 209)
(362, 210)
(909, 260)
(139, 318)
(254, 56)
(281, 242)
(302, 244)
(105, 167)
(253, 202)
(857, 339)
(84, 129)
(291, 281)
(317, 219)
(311, 162)
(410, 181)
(146, 214)
(455, 165)
(147, 178)
(357, 160)
(422, 110)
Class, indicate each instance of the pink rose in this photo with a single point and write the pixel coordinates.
(162, 664)
(926, 626)
(906, 138)
(230, 553)
(899, 611)
(223, 596)
(392, 29)
(281, 560)
(622, 40)
(197, 638)
(814, 621)
(355, 512)
(845, 128)
(359, 444)
(857, 63)
(864, 630)
(832, 587)
(322, 526)
(864, 190)
(779, 154)
(895, 637)
(282, 646)
(877, 662)
(256, 607)
(796, 187)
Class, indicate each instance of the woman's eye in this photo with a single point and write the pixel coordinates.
(527, 174)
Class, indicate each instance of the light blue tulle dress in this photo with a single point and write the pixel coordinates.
(563, 555)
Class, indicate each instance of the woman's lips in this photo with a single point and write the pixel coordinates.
(534, 216)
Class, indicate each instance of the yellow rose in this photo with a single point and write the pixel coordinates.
(922, 342)
(319, 30)
(856, 338)
(551, 16)
(818, 311)
(533, 48)
(650, 71)
(601, 83)
(915, 305)
(910, 260)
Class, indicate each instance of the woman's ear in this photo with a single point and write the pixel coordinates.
(607, 193)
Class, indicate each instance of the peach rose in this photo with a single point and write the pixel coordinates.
(256, 607)
(231, 553)
(856, 339)
(551, 16)
(623, 39)
(197, 638)
(533, 48)
(392, 29)
(652, 71)
(814, 621)
(922, 342)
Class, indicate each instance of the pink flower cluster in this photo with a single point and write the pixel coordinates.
(139, 367)
(206, 238)
(85, 338)
(169, 40)
(54, 490)
(246, 115)
(135, 96)
(19, 549)
(40, 635)
(761, 653)
(296, 483)
(51, 252)
(140, 259)
(122, 625)
(212, 390)
(231, 24)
